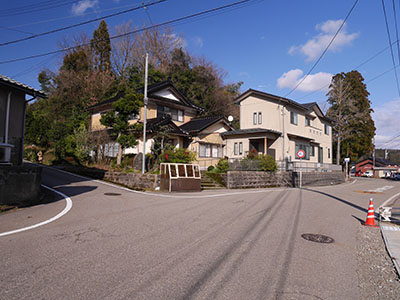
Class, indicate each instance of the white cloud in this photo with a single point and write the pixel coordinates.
(313, 82)
(82, 6)
(198, 41)
(315, 46)
(178, 40)
(386, 122)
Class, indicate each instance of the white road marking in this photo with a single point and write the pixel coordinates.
(65, 210)
(381, 189)
(390, 199)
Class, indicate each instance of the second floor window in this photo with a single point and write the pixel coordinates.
(259, 118)
(293, 117)
(308, 121)
(176, 114)
(327, 129)
(255, 118)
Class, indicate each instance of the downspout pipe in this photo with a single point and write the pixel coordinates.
(7, 117)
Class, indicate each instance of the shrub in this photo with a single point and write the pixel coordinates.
(210, 168)
(222, 165)
(267, 163)
(177, 155)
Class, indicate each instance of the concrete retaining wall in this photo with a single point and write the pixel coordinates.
(255, 179)
(318, 178)
(20, 185)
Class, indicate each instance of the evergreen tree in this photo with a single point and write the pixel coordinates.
(350, 110)
(118, 120)
(101, 47)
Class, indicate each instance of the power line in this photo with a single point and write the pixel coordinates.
(64, 18)
(80, 24)
(35, 8)
(326, 49)
(390, 44)
(224, 7)
(392, 139)
(397, 31)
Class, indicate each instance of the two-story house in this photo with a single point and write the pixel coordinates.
(278, 126)
(167, 107)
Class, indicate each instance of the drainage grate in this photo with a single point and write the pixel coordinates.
(112, 194)
(318, 238)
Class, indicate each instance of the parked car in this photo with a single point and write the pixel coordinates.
(358, 174)
(396, 175)
(368, 173)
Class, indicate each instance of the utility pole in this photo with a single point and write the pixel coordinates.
(373, 166)
(145, 100)
(283, 136)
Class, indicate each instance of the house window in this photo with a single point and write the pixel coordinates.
(176, 114)
(209, 150)
(133, 117)
(308, 121)
(260, 117)
(327, 129)
(306, 148)
(236, 149)
(293, 118)
(240, 148)
(312, 151)
(255, 118)
(329, 152)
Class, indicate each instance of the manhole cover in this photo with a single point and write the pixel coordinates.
(112, 194)
(318, 238)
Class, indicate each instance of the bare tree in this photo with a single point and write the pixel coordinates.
(129, 49)
(342, 110)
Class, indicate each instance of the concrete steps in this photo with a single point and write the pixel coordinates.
(208, 183)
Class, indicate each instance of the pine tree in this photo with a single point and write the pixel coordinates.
(101, 47)
(350, 111)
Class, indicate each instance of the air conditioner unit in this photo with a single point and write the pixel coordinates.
(5, 153)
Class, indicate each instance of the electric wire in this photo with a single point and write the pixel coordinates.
(180, 19)
(397, 31)
(390, 44)
(35, 8)
(326, 49)
(80, 24)
(66, 17)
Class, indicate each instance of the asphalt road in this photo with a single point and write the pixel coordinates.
(233, 244)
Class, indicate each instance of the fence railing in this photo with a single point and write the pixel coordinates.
(255, 165)
(308, 166)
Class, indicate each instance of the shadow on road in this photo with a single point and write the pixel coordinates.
(75, 190)
(338, 199)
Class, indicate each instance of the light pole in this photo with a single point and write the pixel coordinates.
(145, 100)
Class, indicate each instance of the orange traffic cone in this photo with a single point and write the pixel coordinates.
(370, 216)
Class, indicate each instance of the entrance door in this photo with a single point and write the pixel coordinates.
(320, 155)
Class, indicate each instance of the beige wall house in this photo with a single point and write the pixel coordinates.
(278, 126)
(168, 107)
(12, 118)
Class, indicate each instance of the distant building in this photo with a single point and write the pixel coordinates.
(380, 169)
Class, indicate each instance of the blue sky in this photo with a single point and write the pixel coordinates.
(269, 45)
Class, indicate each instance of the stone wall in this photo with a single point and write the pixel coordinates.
(256, 179)
(134, 180)
(20, 185)
(131, 180)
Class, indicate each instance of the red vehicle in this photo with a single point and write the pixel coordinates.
(358, 174)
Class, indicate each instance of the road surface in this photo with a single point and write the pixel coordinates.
(232, 244)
